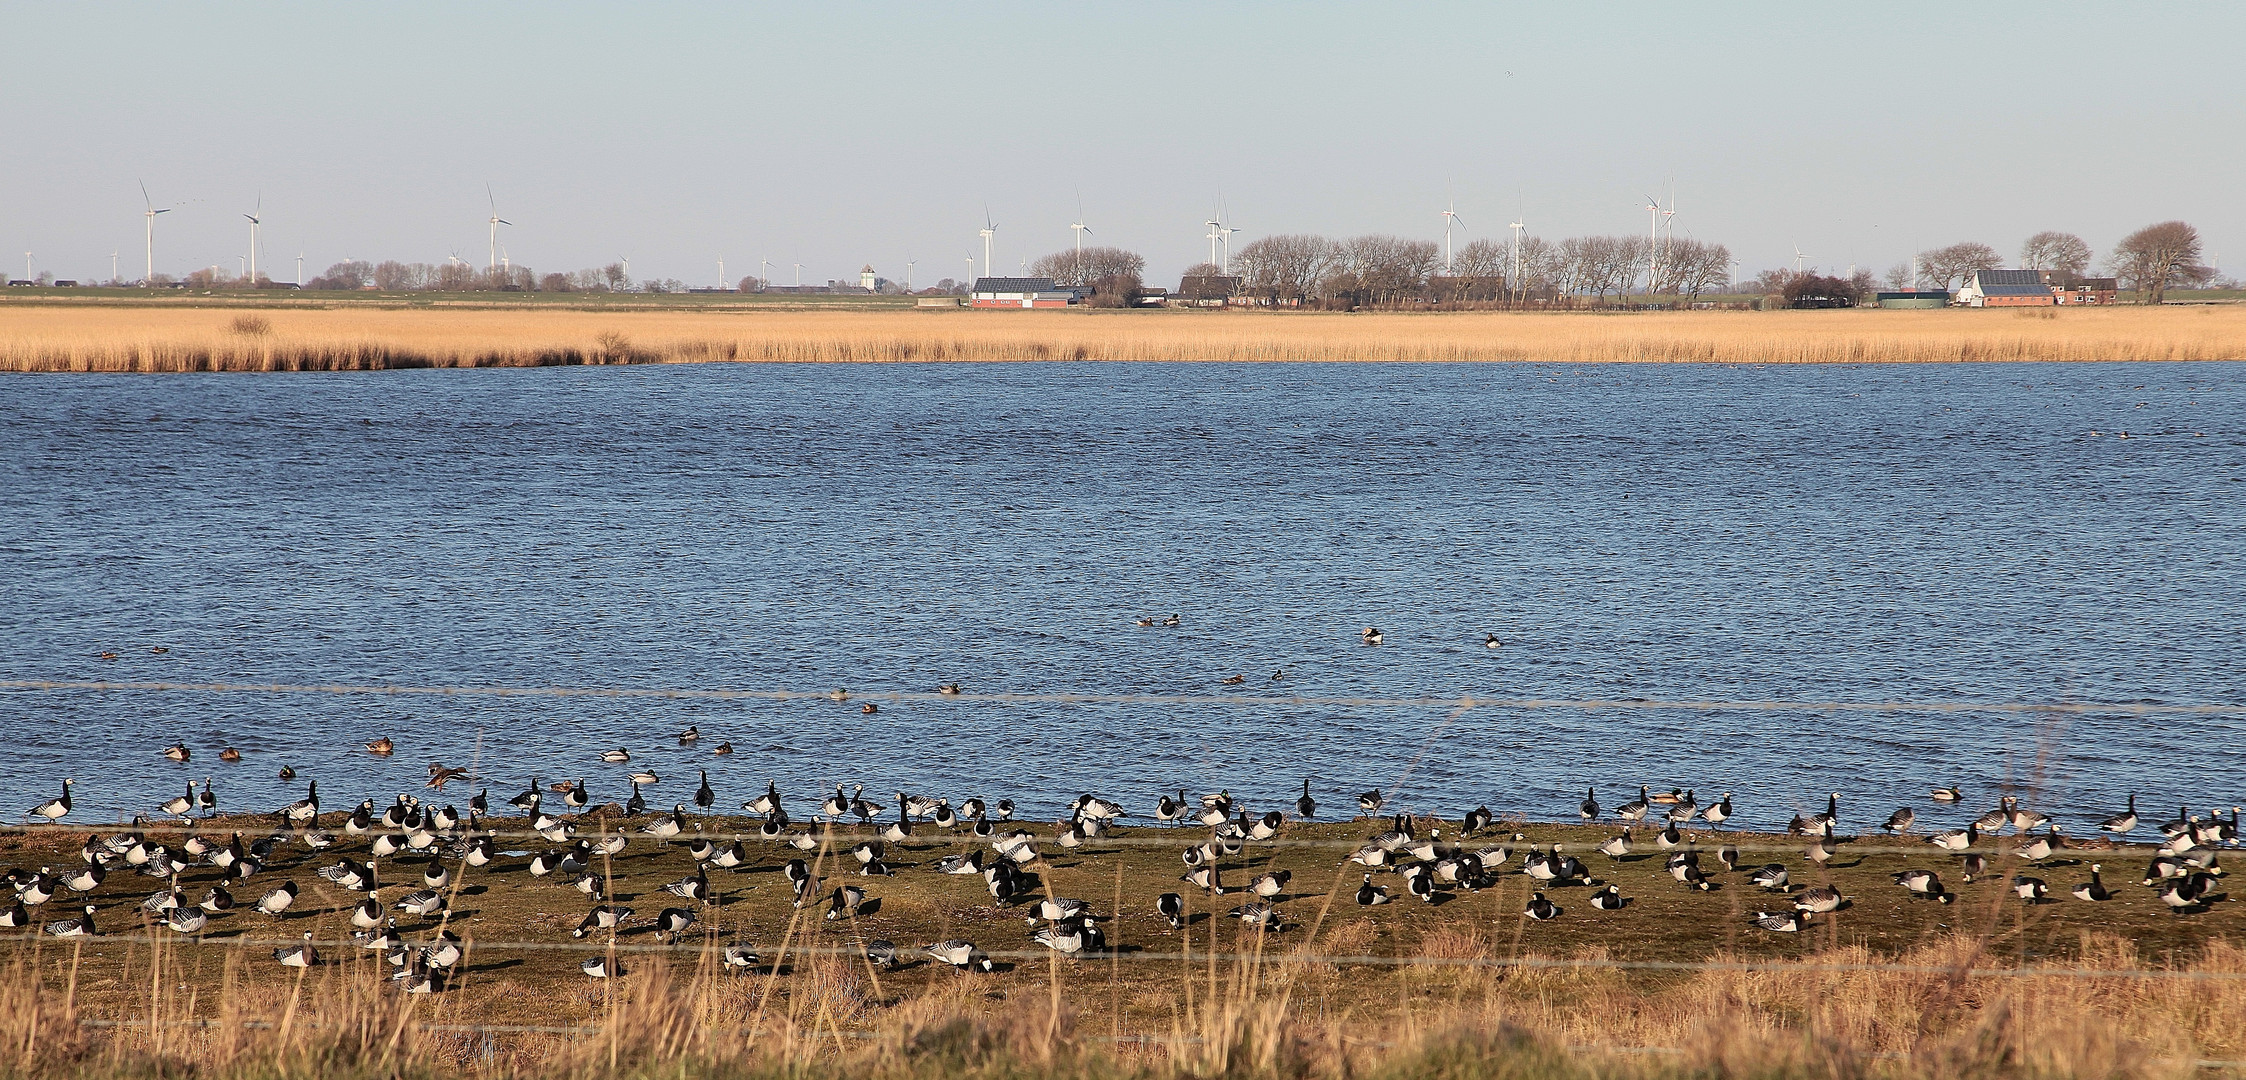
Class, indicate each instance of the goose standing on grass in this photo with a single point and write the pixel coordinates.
(674, 921)
(1368, 802)
(298, 956)
(278, 900)
(208, 799)
(2093, 890)
(1635, 810)
(2030, 889)
(57, 808)
(743, 957)
(15, 915)
(1306, 807)
(1171, 906)
(77, 926)
(304, 810)
(1924, 883)
(1476, 820)
(180, 805)
(1957, 839)
(185, 919)
(1901, 820)
(762, 804)
(959, 954)
(1818, 899)
(1369, 894)
(1719, 813)
(2124, 821)
(601, 967)
(1588, 809)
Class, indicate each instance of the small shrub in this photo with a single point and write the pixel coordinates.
(251, 325)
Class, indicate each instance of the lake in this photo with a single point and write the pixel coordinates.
(1811, 534)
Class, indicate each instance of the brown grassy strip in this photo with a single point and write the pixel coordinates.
(127, 338)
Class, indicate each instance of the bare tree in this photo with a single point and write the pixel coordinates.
(2158, 256)
(1694, 267)
(1947, 267)
(1540, 262)
(2064, 254)
(1285, 267)
(1387, 269)
(1900, 278)
(1483, 258)
(353, 274)
(1071, 267)
(1203, 270)
(615, 277)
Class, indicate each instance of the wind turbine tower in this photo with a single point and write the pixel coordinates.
(1081, 230)
(152, 211)
(255, 222)
(1517, 226)
(1450, 219)
(492, 263)
(990, 229)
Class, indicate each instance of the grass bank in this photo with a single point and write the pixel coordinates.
(169, 338)
(1676, 983)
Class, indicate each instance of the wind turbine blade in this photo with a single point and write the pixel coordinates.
(491, 198)
(145, 200)
(504, 221)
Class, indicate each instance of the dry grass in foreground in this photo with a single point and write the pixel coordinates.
(1261, 1023)
(131, 338)
(1887, 987)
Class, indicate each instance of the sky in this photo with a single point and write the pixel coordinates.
(835, 135)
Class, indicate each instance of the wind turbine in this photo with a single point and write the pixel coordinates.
(1799, 255)
(799, 275)
(113, 268)
(496, 222)
(909, 264)
(970, 270)
(1653, 242)
(299, 269)
(1517, 226)
(763, 273)
(1450, 218)
(150, 277)
(1081, 230)
(27, 267)
(990, 229)
(1216, 236)
(721, 273)
(255, 222)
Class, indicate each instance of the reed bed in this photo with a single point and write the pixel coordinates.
(158, 338)
(1262, 1022)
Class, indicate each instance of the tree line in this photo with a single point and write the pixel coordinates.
(1376, 270)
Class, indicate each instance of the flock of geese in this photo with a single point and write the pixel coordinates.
(441, 843)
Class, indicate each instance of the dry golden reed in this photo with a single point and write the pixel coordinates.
(153, 338)
(1942, 1020)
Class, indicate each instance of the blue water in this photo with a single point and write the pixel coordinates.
(1926, 533)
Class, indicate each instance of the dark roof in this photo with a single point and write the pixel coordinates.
(2011, 282)
(1915, 294)
(1208, 287)
(1014, 284)
(2098, 284)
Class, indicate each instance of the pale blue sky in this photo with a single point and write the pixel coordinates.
(835, 135)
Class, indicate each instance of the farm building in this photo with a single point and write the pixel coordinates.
(1205, 290)
(1914, 298)
(2097, 290)
(1020, 292)
(2005, 288)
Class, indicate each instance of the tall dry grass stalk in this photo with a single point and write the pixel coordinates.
(1263, 1022)
(166, 339)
